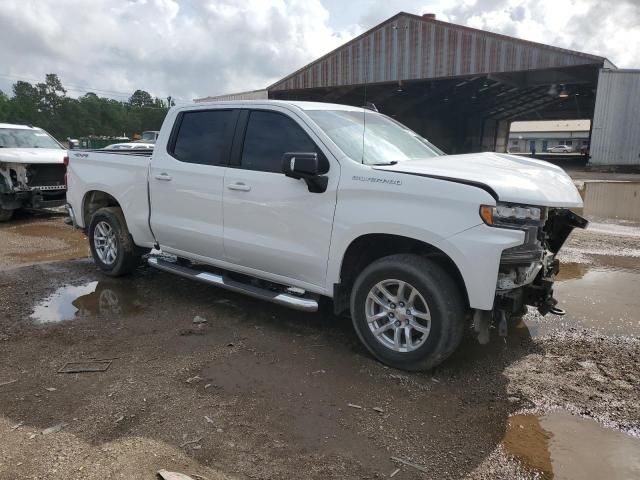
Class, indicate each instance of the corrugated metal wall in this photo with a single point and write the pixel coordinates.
(252, 95)
(409, 47)
(615, 137)
(612, 200)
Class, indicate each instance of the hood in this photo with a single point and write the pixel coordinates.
(512, 178)
(32, 155)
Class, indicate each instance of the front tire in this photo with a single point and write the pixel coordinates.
(408, 311)
(111, 244)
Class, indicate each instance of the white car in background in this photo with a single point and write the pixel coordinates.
(560, 149)
(130, 146)
(32, 171)
(149, 136)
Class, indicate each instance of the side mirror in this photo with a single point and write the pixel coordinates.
(306, 166)
(300, 165)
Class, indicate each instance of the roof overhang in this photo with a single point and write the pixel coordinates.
(410, 47)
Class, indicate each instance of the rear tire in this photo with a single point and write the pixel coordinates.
(408, 311)
(5, 215)
(111, 244)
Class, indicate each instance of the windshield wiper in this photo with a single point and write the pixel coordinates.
(393, 162)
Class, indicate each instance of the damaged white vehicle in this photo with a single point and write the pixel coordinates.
(32, 172)
(291, 202)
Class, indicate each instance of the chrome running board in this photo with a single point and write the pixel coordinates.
(304, 304)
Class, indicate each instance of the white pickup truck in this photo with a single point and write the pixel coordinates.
(293, 201)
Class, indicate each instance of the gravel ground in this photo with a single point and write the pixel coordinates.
(258, 391)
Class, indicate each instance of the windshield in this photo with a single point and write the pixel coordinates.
(26, 138)
(385, 141)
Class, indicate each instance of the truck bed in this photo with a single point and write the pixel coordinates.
(121, 174)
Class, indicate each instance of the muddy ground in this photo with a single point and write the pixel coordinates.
(259, 391)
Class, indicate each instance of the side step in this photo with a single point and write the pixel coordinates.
(304, 304)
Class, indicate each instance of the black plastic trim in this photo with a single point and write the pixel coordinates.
(238, 139)
(471, 183)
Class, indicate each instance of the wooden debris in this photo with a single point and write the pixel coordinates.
(17, 426)
(420, 468)
(166, 475)
(87, 366)
(54, 429)
(189, 442)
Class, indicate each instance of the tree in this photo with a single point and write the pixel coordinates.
(51, 93)
(46, 105)
(5, 105)
(25, 103)
(51, 96)
(141, 98)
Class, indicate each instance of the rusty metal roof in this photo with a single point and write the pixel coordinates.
(410, 47)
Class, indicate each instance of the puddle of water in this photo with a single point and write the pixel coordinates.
(561, 446)
(611, 200)
(603, 295)
(605, 299)
(93, 298)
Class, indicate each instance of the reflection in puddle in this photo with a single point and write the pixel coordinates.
(93, 298)
(571, 271)
(605, 299)
(562, 446)
(603, 296)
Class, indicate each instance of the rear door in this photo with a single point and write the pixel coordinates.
(273, 224)
(186, 182)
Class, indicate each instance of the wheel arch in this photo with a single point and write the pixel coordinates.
(367, 248)
(93, 201)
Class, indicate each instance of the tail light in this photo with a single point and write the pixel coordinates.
(65, 162)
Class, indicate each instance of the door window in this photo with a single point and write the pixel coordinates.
(204, 137)
(269, 136)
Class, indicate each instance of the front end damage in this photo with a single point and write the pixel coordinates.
(527, 272)
(31, 185)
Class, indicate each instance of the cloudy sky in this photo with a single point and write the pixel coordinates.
(194, 48)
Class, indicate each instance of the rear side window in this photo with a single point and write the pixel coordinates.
(269, 136)
(204, 137)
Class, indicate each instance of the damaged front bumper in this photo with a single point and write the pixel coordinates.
(527, 272)
(31, 186)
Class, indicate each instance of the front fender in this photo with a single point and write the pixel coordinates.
(476, 252)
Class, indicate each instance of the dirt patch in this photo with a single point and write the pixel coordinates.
(264, 389)
(258, 391)
(32, 238)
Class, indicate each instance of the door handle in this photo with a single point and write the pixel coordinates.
(163, 176)
(241, 187)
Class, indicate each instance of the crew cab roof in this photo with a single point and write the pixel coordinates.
(22, 127)
(255, 103)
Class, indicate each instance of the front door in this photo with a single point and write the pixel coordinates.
(186, 181)
(272, 223)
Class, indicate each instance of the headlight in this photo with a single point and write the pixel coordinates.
(505, 214)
